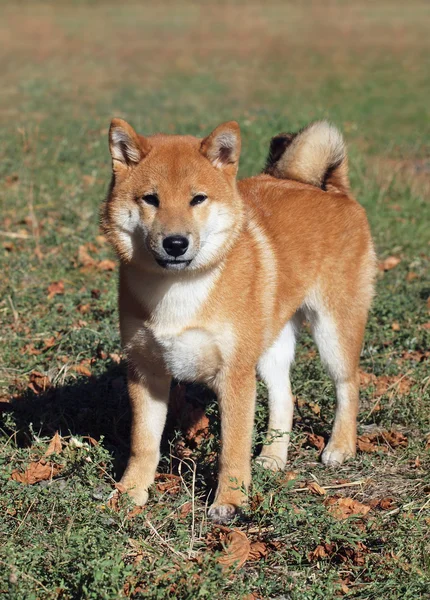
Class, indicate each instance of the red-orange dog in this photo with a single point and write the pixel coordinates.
(216, 277)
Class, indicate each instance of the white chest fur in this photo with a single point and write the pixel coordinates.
(174, 333)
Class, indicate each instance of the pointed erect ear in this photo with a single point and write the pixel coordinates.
(126, 147)
(222, 146)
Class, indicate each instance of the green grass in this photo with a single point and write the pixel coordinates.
(66, 70)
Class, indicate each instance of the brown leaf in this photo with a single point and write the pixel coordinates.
(199, 428)
(39, 382)
(411, 276)
(236, 550)
(389, 263)
(84, 308)
(106, 265)
(55, 445)
(257, 550)
(84, 258)
(319, 552)
(167, 482)
(366, 444)
(185, 510)
(394, 438)
(36, 471)
(395, 326)
(55, 288)
(315, 488)
(386, 503)
(317, 441)
(342, 508)
(82, 370)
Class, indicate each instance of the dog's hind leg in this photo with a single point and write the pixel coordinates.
(274, 368)
(339, 337)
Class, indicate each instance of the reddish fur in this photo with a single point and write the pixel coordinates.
(315, 238)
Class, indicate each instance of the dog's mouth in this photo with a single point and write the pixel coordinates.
(173, 264)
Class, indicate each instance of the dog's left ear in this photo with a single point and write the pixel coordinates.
(222, 146)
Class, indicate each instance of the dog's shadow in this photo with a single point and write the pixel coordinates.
(98, 407)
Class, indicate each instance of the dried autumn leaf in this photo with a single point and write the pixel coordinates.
(36, 471)
(185, 510)
(365, 444)
(317, 441)
(106, 265)
(39, 382)
(342, 508)
(386, 503)
(55, 445)
(395, 326)
(55, 288)
(315, 488)
(199, 428)
(319, 552)
(257, 550)
(389, 263)
(82, 370)
(84, 258)
(394, 438)
(236, 550)
(169, 483)
(411, 276)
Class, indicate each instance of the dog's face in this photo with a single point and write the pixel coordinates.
(173, 204)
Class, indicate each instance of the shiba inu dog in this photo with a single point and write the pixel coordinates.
(216, 277)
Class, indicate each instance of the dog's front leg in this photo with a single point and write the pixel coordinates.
(149, 396)
(236, 397)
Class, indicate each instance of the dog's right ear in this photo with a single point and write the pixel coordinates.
(126, 147)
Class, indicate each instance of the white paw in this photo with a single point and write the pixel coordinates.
(274, 463)
(334, 457)
(222, 513)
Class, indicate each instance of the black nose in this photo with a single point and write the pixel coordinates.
(175, 245)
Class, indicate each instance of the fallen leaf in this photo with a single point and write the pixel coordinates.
(389, 263)
(257, 550)
(317, 441)
(394, 438)
(199, 428)
(56, 288)
(36, 471)
(411, 276)
(84, 308)
(425, 326)
(185, 510)
(137, 510)
(84, 258)
(82, 370)
(106, 265)
(315, 488)
(167, 482)
(395, 326)
(342, 508)
(39, 382)
(236, 550)
(55, 445)
(319, 552)
(386, 503)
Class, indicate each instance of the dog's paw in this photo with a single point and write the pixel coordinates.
(274, 463)
(334, 457)
(222, 513)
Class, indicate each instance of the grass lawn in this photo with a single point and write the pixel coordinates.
(66, 68)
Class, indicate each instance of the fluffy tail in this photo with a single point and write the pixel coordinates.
(315, 155)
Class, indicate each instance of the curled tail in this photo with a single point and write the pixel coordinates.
(315, 155)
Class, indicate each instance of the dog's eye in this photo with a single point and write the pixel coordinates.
(198, 199)
(151, 199)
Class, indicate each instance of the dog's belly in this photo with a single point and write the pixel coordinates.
(191, 355)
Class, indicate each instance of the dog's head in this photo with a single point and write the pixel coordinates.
(173, 202)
